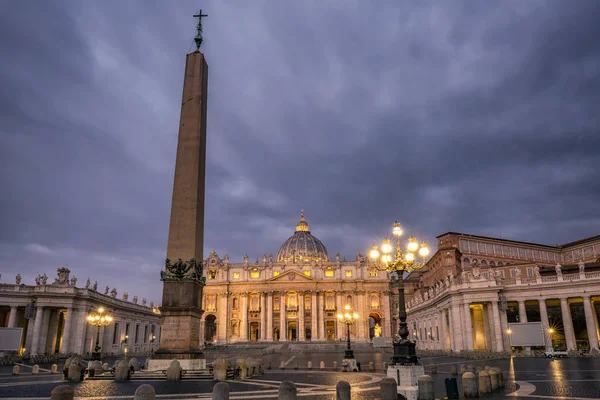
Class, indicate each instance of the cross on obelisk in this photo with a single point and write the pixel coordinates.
(198, 38)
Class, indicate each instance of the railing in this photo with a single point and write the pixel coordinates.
(591, 275)
(546, 279)
(572, 277)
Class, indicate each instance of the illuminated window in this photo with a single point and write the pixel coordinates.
(307, 273)
(348, 273)
(236, 275)
(212, 274)
(275, 273)
(254, 274)
(373, 272)
(329, 272)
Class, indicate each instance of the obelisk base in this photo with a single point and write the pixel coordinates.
(189, 361)
(407, 378)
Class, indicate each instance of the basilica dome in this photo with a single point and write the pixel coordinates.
(302, 246)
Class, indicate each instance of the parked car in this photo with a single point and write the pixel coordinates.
(555, 353)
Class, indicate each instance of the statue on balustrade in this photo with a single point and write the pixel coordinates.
(87, 283)
(18, 279)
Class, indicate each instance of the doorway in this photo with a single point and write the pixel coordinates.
(292, 331)
(210, 328)
(375, 328)
(330, 329)
(254, 331)
(59, 332)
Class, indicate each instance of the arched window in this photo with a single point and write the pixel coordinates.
(349, 300)
(492, 264)
(329, 302)
(466, 263)
(235, 303)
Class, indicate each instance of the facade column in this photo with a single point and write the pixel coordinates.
(12, 318)
(363, 318)
(263, 316)
(567, 323)
(244, 319)
(455, 328)
(222, 318)
(387, 327)
(468, 326)
(64, 348)
(301, 317)
(37, 330)
(314, 332)
(497, 326)
(269, 316)
(590, 322)
(545, 324)
(282, 312)
(339, 331)
(320, 315)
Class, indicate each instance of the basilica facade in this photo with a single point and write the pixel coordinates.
(294, 295)
(474, 287)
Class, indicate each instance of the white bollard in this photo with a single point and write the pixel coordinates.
(342, 390)
(62, 392)
(220, 391)
(145, 392)
(288, 391)
(388, 389)
(426, 388)
(469, 383)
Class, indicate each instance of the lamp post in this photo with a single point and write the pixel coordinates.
(404, 350)
(348, 319)
(98, 318)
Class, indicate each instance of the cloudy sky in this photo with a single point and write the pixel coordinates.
(473, 116)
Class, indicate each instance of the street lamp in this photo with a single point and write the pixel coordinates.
(98, 318)
(348, 319)
(404, 350)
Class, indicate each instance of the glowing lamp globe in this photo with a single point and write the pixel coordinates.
(374, 253)
(410, 257)
(396, 230)
(424, 250)
(386, 247)
(412, 244)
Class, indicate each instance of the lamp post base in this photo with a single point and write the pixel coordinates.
(405, 353)
(349, 354)
(349, 365)
(96, 355)
(407, 378)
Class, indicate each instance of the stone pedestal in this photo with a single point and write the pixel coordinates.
(349, 365)
(407, 378)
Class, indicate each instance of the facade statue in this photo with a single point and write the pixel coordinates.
(558, 269)
(377, 330)
(447, 282)
(271, 258)
(113, 293)
(476, 272)
(44, 279)
(95, 287)
(358, 256)
(226, 259)
(106, 289)
(144, 302)
(151, 304)
(18, 279)
(536, 269)
(581, 267)
(38, 280)
(73, 281)
(63, 276)
(517, 272)
(246, 259)
(125, 296)
(87, 283)
(134, 300)
(337, 257)
(264, 258)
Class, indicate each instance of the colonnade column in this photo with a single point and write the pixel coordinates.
(282, 311)
(301, 316)
(442, 318)
(340, 332)
(314, 333)
(455, 328)
(387, 327)
(545, 324)
(590, 323)
(567, 323)
(12, 318)
(244, 319)
(64, 348)
(523, 318)
(468, 326)
(269, 317)
(498, 343)
(37, 327)
(263, 316)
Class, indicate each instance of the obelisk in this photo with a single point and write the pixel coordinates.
(182, 277)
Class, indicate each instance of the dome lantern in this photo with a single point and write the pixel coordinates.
(302, 247)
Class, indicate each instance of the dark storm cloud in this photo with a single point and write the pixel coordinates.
(471, 116)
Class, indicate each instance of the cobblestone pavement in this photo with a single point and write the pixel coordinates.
(526, 378)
